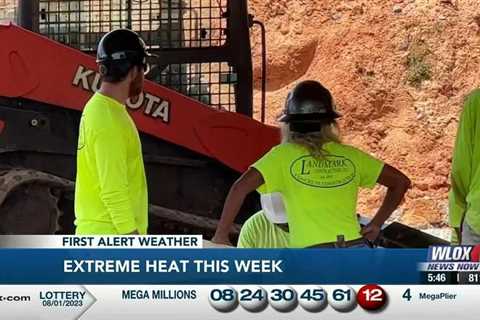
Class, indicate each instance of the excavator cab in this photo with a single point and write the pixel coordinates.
(202, 47)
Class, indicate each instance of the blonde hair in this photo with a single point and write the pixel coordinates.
(313, 141)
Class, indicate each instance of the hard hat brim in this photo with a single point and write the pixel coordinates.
(308, 118)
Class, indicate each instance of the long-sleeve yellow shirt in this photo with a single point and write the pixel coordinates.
(111, 189)
(464, 197)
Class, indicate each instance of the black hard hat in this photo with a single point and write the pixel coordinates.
(309, 101)
(119, 50)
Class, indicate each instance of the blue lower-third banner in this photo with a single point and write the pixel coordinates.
(210, 266)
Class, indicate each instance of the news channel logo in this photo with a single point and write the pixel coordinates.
(444, 260)
(454, 253)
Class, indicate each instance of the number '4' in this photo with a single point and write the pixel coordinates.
(407, 295)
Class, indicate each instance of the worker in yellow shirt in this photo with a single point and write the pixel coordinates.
(464, 197)
(260, 233)
(268, 228)
(111, 189)
(318, 177)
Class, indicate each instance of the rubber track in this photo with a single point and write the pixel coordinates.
(11, 179)
(188, 218)
(14, 178)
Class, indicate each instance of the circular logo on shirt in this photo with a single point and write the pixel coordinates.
(328, 172)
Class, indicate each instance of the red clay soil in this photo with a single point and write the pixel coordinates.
(399, 71)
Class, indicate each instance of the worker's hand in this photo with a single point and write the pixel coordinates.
(220, 239)
(371, 232)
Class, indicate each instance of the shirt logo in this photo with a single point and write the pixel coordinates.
(329, 172)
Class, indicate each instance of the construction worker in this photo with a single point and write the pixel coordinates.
(111, 188)
(267, 228)
(318, 177)
(464, 197)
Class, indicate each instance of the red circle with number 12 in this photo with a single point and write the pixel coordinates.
(371, 297)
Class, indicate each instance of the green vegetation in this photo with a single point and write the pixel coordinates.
(418, 68)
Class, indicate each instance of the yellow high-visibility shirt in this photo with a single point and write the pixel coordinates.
(259, 232)
(464, 197)
(320, 195)
(111, 187)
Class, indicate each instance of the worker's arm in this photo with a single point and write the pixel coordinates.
(111, 160)
(248, 182)
(461, 169)
(397, 184)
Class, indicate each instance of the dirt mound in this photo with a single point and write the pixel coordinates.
(399, 71)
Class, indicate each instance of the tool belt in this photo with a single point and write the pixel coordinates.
(341, 243)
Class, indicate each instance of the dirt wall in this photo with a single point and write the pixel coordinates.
(399, 72)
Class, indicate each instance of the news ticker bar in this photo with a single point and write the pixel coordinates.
(239, 302)
(142, 260)
(210, 266)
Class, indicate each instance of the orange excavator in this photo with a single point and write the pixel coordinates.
(195, 116)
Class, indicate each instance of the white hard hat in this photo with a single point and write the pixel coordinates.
(273, 207)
